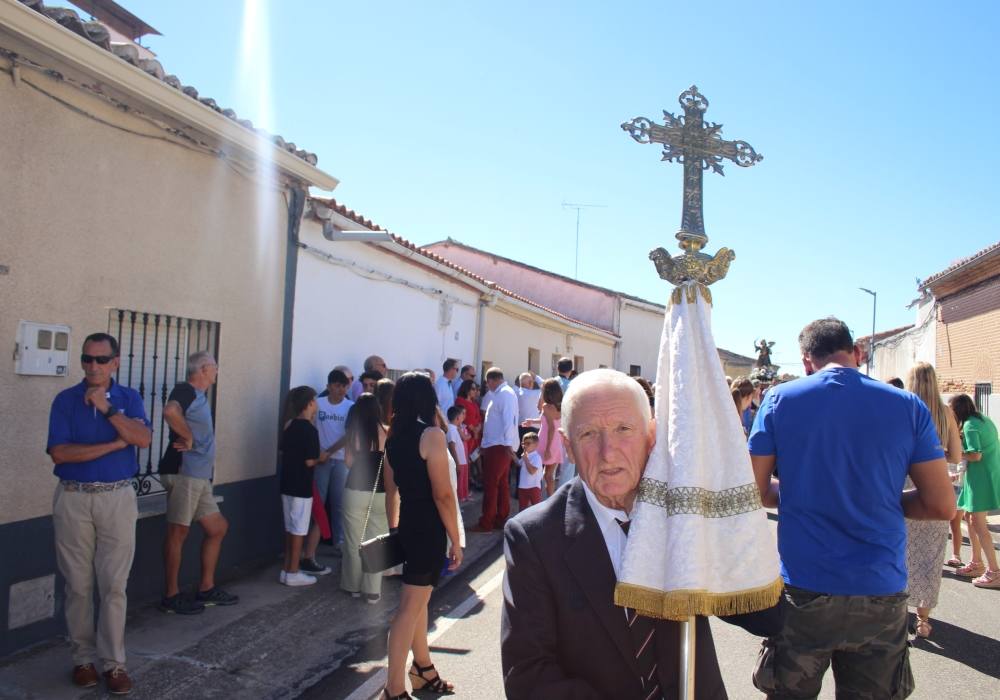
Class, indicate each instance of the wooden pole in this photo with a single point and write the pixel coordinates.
(687, 659)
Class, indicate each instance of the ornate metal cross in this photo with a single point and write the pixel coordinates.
(698, 146)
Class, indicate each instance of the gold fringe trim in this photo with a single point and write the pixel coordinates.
(681, 604)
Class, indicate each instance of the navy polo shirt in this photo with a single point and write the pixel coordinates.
(72, 422)
(843, 444)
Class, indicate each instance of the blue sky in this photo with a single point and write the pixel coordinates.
(477, 120)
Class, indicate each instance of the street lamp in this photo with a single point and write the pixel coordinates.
(871, 345)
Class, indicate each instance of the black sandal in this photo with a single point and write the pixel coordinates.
(402, 696)
(436, 684)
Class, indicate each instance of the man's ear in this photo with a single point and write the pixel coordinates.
(568, 447)
(652, 433)
(807, 364)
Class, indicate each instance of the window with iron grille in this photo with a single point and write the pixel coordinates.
(983, 391)
(154, 349)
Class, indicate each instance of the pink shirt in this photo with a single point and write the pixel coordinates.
(555, 455)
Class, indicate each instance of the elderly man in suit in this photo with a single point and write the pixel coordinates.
(562, 635)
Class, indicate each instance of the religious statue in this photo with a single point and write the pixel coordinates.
(764, 353)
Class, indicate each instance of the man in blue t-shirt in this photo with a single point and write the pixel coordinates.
(94, 430)
(832, 451)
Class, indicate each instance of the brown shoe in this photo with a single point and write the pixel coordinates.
(118, 681)
(85, 676)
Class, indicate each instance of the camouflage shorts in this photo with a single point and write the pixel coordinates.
(864, 638)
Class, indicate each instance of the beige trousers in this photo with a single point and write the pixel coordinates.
(353, 509)
(95, 538)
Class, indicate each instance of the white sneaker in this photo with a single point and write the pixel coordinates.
(282, 575)
(297, 578)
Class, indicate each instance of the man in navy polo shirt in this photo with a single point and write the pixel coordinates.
(94, 430)
(841, 445)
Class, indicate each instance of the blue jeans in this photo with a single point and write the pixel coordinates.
(330, 479)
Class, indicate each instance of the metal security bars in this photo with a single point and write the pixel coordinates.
(154, 350)
(983, 392)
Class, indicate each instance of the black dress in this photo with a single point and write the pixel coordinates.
(421, 531)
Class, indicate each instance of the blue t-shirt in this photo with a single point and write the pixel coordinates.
(843, 444)
(72, 422)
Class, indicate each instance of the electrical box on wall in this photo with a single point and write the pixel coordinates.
(42, 349)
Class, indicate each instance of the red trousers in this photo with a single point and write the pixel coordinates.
(496, 487)
(528, 497)
(463, 482)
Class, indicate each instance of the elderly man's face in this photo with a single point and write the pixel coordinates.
(95, 373)
(609, 441)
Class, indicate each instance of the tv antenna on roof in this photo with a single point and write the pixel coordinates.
(578, 207)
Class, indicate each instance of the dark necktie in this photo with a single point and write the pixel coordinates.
(643, 634)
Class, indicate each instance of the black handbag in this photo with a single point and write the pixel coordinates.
(382, 552)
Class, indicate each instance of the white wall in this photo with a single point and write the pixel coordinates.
(640, 332)
(343, 314)
(894, 356)
(510, 331)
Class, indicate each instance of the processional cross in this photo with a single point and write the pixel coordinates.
(698, 146)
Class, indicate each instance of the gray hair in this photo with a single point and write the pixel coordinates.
(197, 360)
(607, 378)
(346, 370)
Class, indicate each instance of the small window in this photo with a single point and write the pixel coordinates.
(534, 361)
(983, 392)
(62, 341)
(555, 365)
(44, 341)
(635, 370)
(578, 363)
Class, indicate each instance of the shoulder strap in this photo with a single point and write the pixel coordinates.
(371, 501)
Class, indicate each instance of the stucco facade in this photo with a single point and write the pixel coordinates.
(105, 208)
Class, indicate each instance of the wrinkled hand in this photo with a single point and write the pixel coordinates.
(183, 445)
(513, 454)
(96, 396)
(454, 557)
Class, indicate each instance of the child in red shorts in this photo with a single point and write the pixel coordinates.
(529, 487)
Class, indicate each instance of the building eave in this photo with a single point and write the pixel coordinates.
(150, 93)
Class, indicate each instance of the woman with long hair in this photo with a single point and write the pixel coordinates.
(419, 502)
(925, 539)
(550, 444)
(468, 398)
(981, 490)
(366, 436)
(383, 393)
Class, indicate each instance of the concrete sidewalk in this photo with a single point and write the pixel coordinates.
(274, 644)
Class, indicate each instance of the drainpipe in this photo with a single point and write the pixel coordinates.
(296, 206)
(480, 329)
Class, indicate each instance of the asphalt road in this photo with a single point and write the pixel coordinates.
(960, 660)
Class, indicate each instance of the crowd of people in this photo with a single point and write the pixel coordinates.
(837, 453)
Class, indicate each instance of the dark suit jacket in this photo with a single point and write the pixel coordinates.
(562, 635)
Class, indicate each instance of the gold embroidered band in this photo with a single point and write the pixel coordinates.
(692, 500)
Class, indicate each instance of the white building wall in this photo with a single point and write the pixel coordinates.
(641, 329)
(511, 331)
(373, 302)
(894, 356)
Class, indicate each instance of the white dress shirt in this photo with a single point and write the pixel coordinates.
(614, 536)
(500, 421)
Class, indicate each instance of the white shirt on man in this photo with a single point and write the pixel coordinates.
(527, 403)
(446, 397)
(500, 422)
(611, 531)
(331, 422)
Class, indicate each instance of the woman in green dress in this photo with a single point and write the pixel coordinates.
(981, 491)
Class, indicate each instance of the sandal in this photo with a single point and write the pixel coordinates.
(436, 684)
(971, 570)
(924, 627)
(955, 562)
(402, 696)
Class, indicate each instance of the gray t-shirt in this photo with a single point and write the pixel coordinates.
(199, 461)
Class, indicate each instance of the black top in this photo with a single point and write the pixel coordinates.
(170, 463)
(299, 442)
(409, 469)
(361, 475)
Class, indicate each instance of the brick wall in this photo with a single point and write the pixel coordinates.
(968, 350)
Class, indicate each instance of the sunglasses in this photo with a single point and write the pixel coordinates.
(99, 359)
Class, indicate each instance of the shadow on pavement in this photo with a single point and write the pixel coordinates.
(977, 651)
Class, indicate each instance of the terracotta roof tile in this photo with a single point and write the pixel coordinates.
(97, 33)
(960, 263)
(369, 224)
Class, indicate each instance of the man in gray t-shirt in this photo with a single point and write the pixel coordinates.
(186, 472)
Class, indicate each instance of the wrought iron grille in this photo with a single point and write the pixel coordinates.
(983, 391)
(154, 350)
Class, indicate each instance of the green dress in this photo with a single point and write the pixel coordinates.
(981, 491)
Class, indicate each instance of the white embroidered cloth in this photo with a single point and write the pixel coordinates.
(699, 543)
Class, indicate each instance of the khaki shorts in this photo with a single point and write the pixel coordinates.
(188, 499)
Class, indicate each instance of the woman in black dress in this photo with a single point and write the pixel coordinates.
(419, 501)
